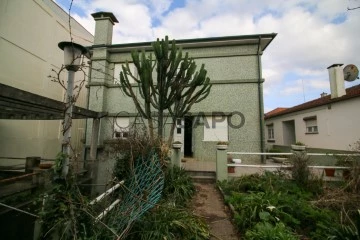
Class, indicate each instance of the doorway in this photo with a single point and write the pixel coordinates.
(289, 132)
(188, 136)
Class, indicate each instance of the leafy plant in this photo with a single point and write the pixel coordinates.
(64, 213)
(300, 170)
(267, 231)
(347, 232)
(171, 219)
(178, 187)
(255, 207)
(59, 161)
(167, 222)
(272, 199)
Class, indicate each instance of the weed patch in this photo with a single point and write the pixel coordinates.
(272, 205)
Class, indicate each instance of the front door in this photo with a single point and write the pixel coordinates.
(188, 138)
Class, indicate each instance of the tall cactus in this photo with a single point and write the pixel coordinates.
(144, 66)
(188, 93)
(177, 87)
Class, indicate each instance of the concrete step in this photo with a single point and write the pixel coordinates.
(203, 176)
(203, 179)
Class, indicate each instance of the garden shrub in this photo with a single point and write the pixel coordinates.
(252, 207)
(267, 231)
(64, 213)
(167, 222)
(346, 232)
(300, 170)
(178, 186)
(170, 219)
(273, 200)
(136, 146)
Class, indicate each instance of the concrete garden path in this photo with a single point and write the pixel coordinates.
(209, 204)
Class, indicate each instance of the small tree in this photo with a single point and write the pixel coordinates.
(176, 88)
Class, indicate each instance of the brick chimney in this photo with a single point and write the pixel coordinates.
(336, 77)
(104, 27)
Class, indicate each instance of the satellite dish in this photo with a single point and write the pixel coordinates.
(351, 72)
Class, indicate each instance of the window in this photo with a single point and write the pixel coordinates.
(178, 125)
(121, 127)
(311, 125)
(270, 131)
(312, 129)
(215, 128)
(118, 69)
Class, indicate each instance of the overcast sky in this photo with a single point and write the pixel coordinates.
(312, 35)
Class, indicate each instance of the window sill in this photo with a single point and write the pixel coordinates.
(312, 133)
(271, 140)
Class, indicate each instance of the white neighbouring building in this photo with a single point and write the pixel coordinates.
(30, 31)
(329, 122)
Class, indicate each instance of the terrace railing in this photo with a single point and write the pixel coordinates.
(222, 162)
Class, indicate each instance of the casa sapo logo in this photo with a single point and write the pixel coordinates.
(234, 119)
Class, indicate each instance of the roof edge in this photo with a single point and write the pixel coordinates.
(328, 100)
(198, 40)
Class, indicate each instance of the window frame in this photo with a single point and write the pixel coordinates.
(215, 134)
(270, 132)
(311, 125)
(120, 128)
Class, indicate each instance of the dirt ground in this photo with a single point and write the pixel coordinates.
(209, 203)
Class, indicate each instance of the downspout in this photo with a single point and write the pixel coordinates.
(87, 107)
(261, 103)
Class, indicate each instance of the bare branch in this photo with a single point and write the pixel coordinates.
(349, 9)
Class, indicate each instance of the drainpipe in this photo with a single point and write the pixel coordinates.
(87, 107)
(261, 103)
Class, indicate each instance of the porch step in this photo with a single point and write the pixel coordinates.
(203, 176)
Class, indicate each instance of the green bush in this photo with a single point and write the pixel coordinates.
(171, 219)
(346, 231)
(167, 222)
(255, 207)
(64, 213)
(272, 198)
(178, 186)
(267, 231)
(300, 170)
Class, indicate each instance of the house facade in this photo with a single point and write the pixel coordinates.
(29, 35)
(232, 112)
(329, 122)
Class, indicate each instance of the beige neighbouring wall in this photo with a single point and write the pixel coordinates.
(29, 34)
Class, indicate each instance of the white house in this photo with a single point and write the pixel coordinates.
(329, 122)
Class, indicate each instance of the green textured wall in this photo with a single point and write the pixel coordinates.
(241, 98)
(234, 74)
